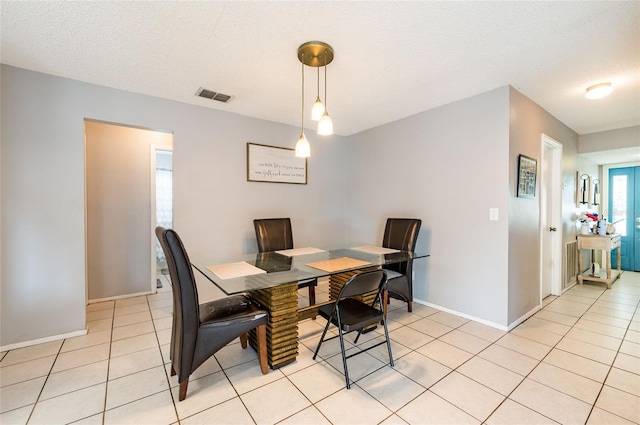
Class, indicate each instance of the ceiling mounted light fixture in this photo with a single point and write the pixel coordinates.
(598, 91)
(317, 54)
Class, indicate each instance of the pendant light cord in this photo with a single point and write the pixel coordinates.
(325, 79)
(302, 114)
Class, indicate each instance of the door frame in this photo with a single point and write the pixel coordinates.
(153, 148)
(551, 185)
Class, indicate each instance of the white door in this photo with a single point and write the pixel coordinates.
(551, 218)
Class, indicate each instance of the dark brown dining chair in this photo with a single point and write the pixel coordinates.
(402, 234)
(349, 313)
(274, 234)
(200, 330)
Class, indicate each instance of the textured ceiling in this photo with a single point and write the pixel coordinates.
(393, 59)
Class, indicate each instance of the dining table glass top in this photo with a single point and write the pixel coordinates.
(269, 269)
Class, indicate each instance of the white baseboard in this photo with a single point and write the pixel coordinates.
(42, 340)
(466, 316)
(525, 316)
(484, 322)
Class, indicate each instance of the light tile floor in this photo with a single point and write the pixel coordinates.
(576, 361)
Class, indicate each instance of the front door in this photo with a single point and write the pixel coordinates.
(624, 211)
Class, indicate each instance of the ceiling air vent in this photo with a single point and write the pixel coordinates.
(208, 94)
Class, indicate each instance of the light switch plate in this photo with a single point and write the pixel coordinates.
(493, 214)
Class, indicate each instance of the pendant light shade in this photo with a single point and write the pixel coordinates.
(325, 126)
(317, 110)
(303, 149)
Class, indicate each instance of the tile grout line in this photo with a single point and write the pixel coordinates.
(44, 383)
(106, 385)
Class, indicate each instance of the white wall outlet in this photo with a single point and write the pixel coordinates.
(493, 214)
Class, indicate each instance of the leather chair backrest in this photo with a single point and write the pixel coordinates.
(401, 233)
(273, 234)
(185, 298)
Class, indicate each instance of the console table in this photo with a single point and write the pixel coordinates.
(605, 243)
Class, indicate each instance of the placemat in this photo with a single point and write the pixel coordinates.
(232, 270)
(375, 249)
(337, 264)
(299, 251)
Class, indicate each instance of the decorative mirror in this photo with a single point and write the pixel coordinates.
(584, 189)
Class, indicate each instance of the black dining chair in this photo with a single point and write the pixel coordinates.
(274, 234)
(349, 313)
(402, 234)
(200, 330)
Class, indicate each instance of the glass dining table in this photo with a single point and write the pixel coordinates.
(271, 279)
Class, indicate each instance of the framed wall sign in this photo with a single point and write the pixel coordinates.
(273, 164)
(527, 171)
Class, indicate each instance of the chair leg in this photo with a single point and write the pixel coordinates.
(312, 295)
(243, 340)
(385, 302)
(409, 306)
(344, 359)
(324, 332)
(173, 371)
(386, 334)
(262, 348)
(182, 393)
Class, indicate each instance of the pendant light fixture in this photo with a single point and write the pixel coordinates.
(303, 149)
(315, 54)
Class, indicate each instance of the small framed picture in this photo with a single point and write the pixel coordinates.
(527, 172)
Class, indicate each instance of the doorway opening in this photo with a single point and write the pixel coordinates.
(120, 210)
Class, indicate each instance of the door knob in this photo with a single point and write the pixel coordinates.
(552, 229)
(638, 219)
